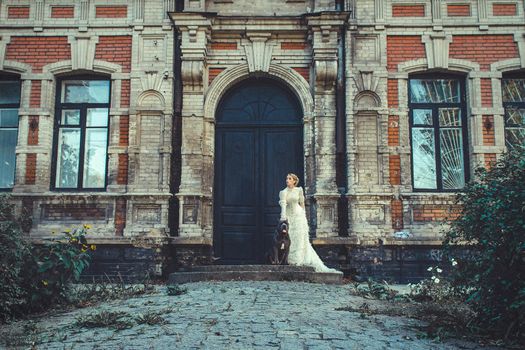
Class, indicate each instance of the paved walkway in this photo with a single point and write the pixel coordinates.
(239, 315)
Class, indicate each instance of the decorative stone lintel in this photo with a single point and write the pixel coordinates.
(436, 48)
(258, 51)
(82, 51)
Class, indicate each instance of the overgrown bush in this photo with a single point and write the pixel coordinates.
(54, 265)
(14, 252)
(32, 277)
(492, 222)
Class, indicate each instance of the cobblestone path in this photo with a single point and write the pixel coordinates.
(240, 315)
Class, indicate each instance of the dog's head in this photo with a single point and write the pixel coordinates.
(282, 227)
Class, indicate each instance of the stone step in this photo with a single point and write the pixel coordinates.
(257, 273)
(249, 268)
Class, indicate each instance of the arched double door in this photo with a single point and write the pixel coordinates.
(258, 140)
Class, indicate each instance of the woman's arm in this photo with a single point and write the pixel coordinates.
(282, 203)
(301, 197)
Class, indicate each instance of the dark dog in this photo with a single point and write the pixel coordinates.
(278, 254)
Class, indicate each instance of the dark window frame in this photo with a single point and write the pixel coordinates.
(521, 105)
(462, 105)
(59, 106)
(12, 77)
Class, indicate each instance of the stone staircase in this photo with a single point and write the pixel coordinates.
(253, 273)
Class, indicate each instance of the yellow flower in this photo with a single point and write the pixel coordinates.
(87, 227)
(44, 282)
(67, 231)
(53, 232)
(93, 247)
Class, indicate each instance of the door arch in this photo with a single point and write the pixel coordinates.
(258, 140)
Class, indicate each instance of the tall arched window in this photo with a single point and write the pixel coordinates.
(9, 104)
(513, 91)
(81, 134)
(438, 132)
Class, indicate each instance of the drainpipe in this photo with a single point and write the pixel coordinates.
(340, 139)
(176, 130)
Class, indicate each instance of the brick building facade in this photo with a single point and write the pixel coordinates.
(110, 116)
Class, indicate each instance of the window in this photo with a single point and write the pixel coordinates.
(514, 103)
(9, 104)
(438, 133)
(81, 135)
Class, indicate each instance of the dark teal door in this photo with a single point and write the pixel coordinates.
(258, 140)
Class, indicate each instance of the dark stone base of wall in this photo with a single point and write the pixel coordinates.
(392, 263)
(124, 263)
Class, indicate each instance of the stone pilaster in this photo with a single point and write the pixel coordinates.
(194, 196)
(325, 29)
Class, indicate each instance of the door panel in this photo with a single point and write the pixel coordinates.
(282, 155)
(258, 140)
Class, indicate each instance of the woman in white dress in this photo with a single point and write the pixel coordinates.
(291, 200)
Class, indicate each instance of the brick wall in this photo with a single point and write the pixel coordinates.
(30, 169)
(392, 93)
(488, 130)
(34, 98)
(213, 72)
(304, 71)
(408, 10)
(504, 9)
(293, 45)
(490, 159)
(32, 135)
(111, 11)
(115, 49)
(396, 208)
(15, 12)
(393, 130)
(434, 212)
(486, 92)
(394, 165)
(458, 10)
(403, 48)
(223, 46)
(124, 93)
(483, 49)
(62, 11)
(77, 212)
(120, 215)
(124, 130)
(122, 174)
(44, 50)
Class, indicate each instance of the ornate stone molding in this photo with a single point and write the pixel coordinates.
(325, 28)
(231, 76)
(152, 80)
(195, 31)
(4, 40)
(83, 51)
(258, 52)
(366, 80)
(192, 74)
(436, 48)
(519, 38)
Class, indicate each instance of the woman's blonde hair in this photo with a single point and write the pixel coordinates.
(295, 178)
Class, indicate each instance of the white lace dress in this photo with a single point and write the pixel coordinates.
(301, 251)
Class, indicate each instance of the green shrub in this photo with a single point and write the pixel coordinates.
(33, 277)
(55, 264)
(14, 252)
(492, 222)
